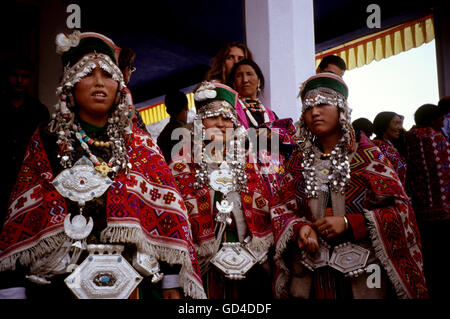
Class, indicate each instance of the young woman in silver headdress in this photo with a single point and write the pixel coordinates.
(227, 200)
(95, 208)
(354, 233)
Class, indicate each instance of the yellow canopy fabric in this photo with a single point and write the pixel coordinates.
(157, 112)
(383, 44)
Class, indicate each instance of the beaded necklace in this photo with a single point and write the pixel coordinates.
(102, 167)
(254, 106)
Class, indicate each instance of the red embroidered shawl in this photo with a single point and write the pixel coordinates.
(428, 177)
(143, 208)
(394, 157)
(389, 218)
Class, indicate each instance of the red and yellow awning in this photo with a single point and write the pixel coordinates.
(383, 44)
(157, 112)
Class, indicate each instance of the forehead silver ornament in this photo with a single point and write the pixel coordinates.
(339, 172)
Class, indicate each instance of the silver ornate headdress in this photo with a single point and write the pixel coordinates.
(213, 101)
(326, 88)
(63, 120)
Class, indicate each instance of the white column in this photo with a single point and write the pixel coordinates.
(280, 34)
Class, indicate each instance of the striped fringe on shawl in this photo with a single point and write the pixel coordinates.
(381, 254)
(28, 256)
(281, 245)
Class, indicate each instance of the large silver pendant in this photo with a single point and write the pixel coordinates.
(222, 179)
(82, 182)
(235, 259)
(104, 274)
(318, 259)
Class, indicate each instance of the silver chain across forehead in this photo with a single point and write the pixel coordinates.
(339, 174)
(119, 123)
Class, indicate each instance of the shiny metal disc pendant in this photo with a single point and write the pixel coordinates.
(319, 259)
(348, 258)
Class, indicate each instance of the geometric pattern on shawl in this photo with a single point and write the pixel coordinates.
(388, 213)
(156, 224)
(392, 225)
(394, 157)
(428, 156)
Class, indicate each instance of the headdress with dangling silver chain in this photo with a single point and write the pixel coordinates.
(332, 91)
(209, 96)
(63, 120)
(213, 100)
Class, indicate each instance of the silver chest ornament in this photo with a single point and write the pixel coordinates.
(221, 180)
(234, 259)
(81, 183)
(105, 273)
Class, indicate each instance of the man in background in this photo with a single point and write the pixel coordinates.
(177, 107)
(333, 64)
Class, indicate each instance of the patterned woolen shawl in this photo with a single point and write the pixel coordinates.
(374, 191)
(143, 208)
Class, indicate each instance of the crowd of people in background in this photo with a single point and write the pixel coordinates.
(337, 188)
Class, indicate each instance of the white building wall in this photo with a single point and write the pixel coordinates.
(280, 34)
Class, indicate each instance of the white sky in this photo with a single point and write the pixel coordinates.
(400, 83)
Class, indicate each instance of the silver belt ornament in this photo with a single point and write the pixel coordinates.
(348, 258)
(104, 274)
(235, 259)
